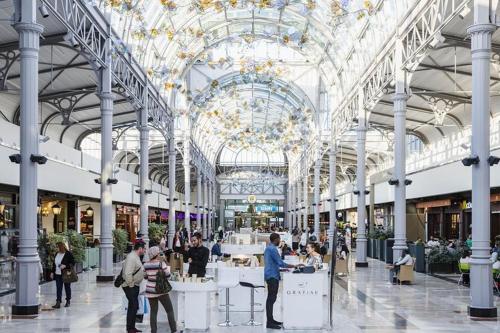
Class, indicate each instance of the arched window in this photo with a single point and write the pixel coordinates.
(413, 144)
(253, 156)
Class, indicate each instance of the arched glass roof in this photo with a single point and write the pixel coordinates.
(252, 156)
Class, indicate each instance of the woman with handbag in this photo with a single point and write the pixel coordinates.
(63, 265)
(157, 288)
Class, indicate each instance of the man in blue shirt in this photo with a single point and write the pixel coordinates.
(273, 263)
(216, 249)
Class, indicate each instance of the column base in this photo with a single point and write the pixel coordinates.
(482, 312)
(105, 278)
(361, 264)
(25, 310)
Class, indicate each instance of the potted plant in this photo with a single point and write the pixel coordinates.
(156, 232)
(77, 244)
(120, 241)
(441, 260)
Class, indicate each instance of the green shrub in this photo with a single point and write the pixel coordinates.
(156, 232)
(441, 255)
(120, 240)
(50, 245)
(381, 234)
(77, 244)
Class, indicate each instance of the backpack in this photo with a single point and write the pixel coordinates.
(162, 284)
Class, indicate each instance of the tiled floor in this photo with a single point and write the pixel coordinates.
(364, 302)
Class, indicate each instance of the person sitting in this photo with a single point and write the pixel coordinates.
(313, 257)
(285, 251)
(433, 242)
(465, 267)
(405, 259)
(216, 249)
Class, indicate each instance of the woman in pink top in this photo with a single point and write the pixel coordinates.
(151, 268)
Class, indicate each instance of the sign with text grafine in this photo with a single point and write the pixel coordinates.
(303, 299)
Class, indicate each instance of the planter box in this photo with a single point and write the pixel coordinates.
(389, 243)
(369, 252)
(375, 248)
(443, 268)
(418, 251)
(381, 249)
(78, 267)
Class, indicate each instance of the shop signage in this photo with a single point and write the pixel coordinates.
(266, 208)
(466, 205)
(435, 203)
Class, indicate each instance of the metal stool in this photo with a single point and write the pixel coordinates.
(252, 321)
(227, 279)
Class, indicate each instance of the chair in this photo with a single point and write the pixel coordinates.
(464, 269)
(252, 321)
(406, 273)
(341, 266)
(227, 278)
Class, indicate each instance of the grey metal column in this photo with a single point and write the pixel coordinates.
(482, 304)
(293, 213)
(317, 173)
(332, 170)
(199, 204)
(171, 191)
(27, 261)
(187, 183)
(371, 217)
(400, 98)
(107, 98)
(360, 180)
(299, 205)
(210, 209)
(305, 190)
(287, 203)
(222, 207)
(144, 172)
(205, 207)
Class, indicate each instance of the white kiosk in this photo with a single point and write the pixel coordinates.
(190, 298)
(303, 297)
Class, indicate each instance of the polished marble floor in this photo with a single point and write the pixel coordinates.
(364, 302)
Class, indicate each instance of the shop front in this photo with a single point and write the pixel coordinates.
(127, 218)
(9, 237)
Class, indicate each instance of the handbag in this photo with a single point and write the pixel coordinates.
(69, 275)
(162, 284)
(119, 280)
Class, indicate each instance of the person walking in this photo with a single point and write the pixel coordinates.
(152, 267)
(197, 256)
(63, 260)
(273, 263)
(133, 275)
(296, 235)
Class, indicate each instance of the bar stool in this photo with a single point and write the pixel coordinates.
(227, 278)
(252, 321)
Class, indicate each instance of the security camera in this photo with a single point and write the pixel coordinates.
(38, 159)
(16, 158)
(112, 181)
(43, 11)
(367, 192)
(468, 161)
(393, 181)
(356, 192)
(97, 180)
(408, 182)
(148, 191)
(492, 160)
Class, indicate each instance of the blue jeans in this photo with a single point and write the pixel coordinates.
(59, 286)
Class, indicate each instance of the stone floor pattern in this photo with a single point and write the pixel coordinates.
(364, 302)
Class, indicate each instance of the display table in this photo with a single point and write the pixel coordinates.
(192, 298)
(303, 301)
(239, 297)
(235, 249)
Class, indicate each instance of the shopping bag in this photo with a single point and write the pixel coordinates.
(143, 305)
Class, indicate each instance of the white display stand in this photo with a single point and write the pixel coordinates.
(239, 296)
(192, 298)
(303, 301)
(234, 249)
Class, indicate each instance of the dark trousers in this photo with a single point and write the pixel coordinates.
(272, 294)
(295, 246)
(59, 286)
(132, 295)
(169, 309)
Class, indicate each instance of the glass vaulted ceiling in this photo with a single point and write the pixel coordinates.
(258, 104)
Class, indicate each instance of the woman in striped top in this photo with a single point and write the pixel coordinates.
(151, 268)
